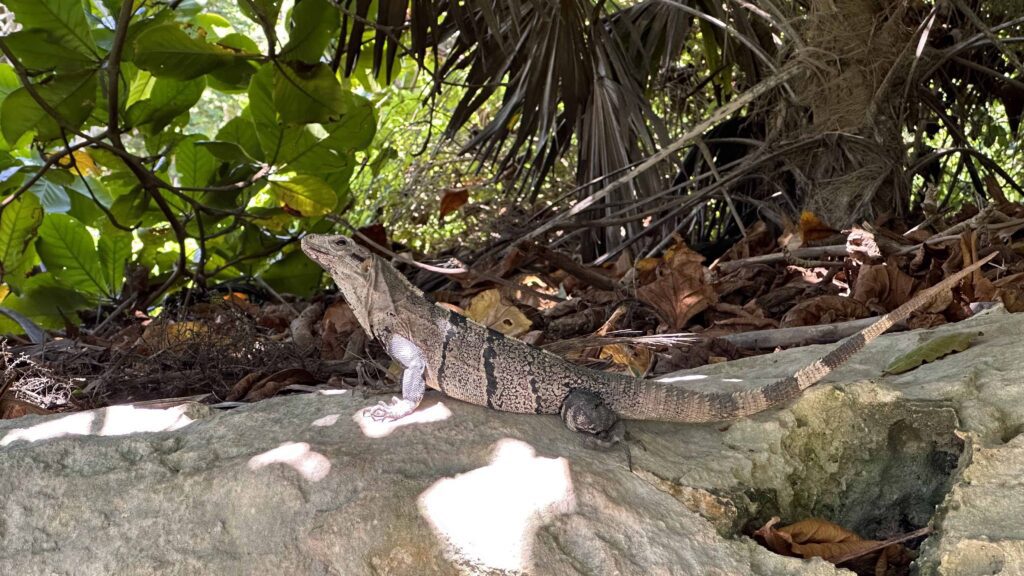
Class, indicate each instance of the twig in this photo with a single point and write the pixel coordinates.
(814, 252)
(882, 544)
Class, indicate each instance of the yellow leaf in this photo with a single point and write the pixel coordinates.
(85, 163)
(487, 308)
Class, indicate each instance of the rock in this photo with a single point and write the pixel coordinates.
(303, 485)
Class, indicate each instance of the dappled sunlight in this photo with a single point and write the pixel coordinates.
(120, 420)
(110, 421)
(686, 378)
(488, 516)
(79, 424)
(693, 378)
(430, 410)
(313, 466)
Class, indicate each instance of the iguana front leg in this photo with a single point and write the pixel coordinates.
(413, 363)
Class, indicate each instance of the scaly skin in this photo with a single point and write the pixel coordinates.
(462, 359)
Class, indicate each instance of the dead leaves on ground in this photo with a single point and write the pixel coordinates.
(681, 290)
(820, 538)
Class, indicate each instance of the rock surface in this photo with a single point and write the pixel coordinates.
(302, 485)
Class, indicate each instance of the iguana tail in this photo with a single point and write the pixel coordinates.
(653, 400)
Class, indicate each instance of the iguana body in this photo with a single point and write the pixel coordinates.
(448, 352)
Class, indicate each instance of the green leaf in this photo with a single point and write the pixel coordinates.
(141, 87)
(194, 164)
(235, 78)
(18, 224)
(35, 334)
(356, 129)
(294, 274)
(262, 11)
(226, 151)
(63, 19)
(168, 99)
(53, 196)
(129, 208)
(307, 194)
(304, 94)
(67, 250)
(115, 251)
(72, 95)
(313, 24)
(40, 50)
(8, 80)
(47, 303)
(166, 50)
(210, 20)
(301, 147)
(241, 131)
(931, 351)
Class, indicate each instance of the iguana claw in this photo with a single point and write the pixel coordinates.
(385, 412)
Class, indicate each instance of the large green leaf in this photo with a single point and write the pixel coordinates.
(307, 194)
(241, 131)
(35, 334)
(356, 128)
(314, 23)
(72, 95)
(235, 78)
(18, 224)
(304, 148)
(294, 274)
(115, 250)
(65, 20)
(195, 165)
(263, 12)
(167, 99)
(52, 195)
(40, 50)
(304, 94)
(8, 80)
(166, 50)
(68, 251)
(46, 302)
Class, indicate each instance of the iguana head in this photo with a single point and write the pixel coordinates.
(364, 279)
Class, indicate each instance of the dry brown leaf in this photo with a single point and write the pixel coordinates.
(862, 242)
(883, 288)
(452, 200)
(251, 388)
(488, 308)
(824, 309)
(638, 359)
(682, 291)
(339, 323)
(11, 407)
(833, 543)
(375, 232)
(1011, 293)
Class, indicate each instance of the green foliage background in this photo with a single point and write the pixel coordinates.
(193, 141)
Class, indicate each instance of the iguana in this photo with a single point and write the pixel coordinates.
(450, 353)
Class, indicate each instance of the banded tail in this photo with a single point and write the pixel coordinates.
(652, 400)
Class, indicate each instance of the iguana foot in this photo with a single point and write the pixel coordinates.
(384, 412)
(585, 411)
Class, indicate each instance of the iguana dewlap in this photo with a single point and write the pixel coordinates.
(450, 353)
